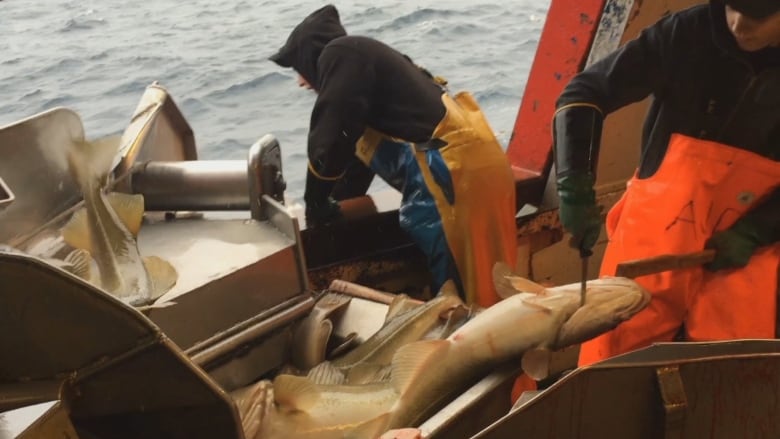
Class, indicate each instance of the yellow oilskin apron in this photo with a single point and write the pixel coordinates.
(458, 199)
(702, 187)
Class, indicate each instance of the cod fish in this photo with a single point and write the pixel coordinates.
(103, 230)
(366, 362)
(303, 411)
(424, 374)
(527, 325)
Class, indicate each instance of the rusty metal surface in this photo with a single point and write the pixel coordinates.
(675, 400)
(397, 271)
(730, 388)
(563, 46)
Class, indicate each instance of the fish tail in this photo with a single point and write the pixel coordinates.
(80, 263)
(90, 162)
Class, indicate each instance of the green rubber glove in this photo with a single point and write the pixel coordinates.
(578, 211)
(322, 213)
(735, 245)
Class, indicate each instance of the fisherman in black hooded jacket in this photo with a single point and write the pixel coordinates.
(708, 175)
(373, 102)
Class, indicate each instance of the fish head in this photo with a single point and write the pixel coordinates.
(608, 302)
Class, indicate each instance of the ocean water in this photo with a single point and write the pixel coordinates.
(97, 57)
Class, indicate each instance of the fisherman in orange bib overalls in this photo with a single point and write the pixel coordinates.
(708, 175)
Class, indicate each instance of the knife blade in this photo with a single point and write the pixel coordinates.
(584, 255)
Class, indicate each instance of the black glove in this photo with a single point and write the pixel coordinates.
(735, 245)
(321, 208)
(322, 213)
(577, 137)
(578, 211)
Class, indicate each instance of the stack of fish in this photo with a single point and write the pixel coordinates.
(410, 367)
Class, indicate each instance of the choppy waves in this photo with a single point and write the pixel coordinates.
(98, 56)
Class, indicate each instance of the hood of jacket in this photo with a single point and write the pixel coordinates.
(306, 41)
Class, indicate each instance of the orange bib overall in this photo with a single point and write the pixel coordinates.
(701, 187)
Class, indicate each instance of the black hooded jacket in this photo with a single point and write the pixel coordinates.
(360, 82)
(703, 86)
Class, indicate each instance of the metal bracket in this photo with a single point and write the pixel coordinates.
(265, 173)
(675, 401)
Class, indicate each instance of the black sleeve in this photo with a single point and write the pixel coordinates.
(639, 68)
(766, 217)
(339, 115)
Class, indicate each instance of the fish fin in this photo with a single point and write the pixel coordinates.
(533, 304)
(310, 341)
(503, 286)
(75, 232)
(162, 275)
(536, 363)
(457, 312)
(449, 288)
(456, 317)
(526, 285)
(318, 351)
(508, 284)
(80, 263)
(383, 374)
(398, 305)
(326, 373)
(250, 397)
(90, 162)
(129, 208)
(414, 360)
(294, 392)
(365, 373)
(372, 428)
(325, 330)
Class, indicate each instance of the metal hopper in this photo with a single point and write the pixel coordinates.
(242, 278)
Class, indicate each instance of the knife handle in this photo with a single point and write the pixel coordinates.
(657, 264)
